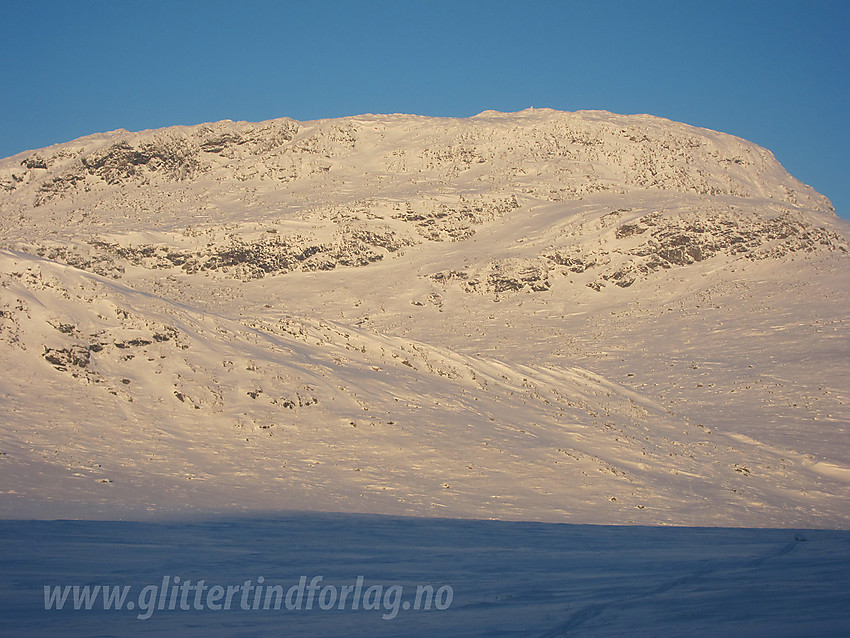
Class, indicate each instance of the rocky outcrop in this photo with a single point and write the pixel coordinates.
(634, 250)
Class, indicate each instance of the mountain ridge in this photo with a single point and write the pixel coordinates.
(541, 135)
(544, 315)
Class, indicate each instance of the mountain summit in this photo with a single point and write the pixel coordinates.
(581, 317)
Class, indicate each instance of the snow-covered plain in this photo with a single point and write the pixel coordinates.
(507, 578)
(578, 318)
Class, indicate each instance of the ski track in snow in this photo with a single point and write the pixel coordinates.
(584, 614)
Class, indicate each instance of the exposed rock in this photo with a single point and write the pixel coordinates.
(64, 358)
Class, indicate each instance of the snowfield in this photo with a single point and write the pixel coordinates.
(567, 318)
(506, 578)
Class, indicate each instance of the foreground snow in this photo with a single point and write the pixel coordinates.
(507, 579)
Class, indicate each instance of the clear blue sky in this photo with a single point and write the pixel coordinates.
(772, 71)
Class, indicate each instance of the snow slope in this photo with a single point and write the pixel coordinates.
(549, 316)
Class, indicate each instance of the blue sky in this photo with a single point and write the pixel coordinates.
(772, 71)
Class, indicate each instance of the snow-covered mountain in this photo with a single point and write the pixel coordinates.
(580, 317)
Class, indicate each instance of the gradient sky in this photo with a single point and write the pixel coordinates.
(772, 71)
